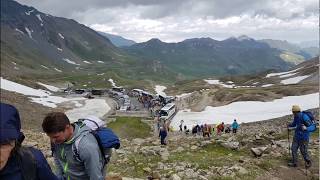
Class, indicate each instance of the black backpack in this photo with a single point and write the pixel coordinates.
(27, 163)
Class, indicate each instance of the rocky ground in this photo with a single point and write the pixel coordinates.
(258, 151)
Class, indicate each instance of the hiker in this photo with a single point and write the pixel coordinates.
(206, 130)
(19, 162)
(163, 134)
(220, 128)
(180, 126)
(235, 126)
(228, 129)
(301, 136)
(194, 130)
(88, 162)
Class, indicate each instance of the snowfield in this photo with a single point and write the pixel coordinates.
(245, 111)
(293, 80)
(95, 107)
(49, 87)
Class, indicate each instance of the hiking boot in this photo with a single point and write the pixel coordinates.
(291, 164)
(308, 164)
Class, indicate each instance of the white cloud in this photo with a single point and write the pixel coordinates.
(172, 21)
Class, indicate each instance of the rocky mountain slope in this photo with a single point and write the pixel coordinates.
(35, 45)
(258, 151)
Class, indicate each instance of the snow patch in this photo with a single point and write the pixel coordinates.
(112, 82)
(13, 63)
(44, 67)
(100, 74)
(267, 85)
(28, 13)
(61, 36)
(257, 111)
(16, 68)
(22, 89)
(87, 62)
(217, 82)
(59, 49)
(294, 80)
(159, 90)
(18, 30)
(287, 75)
(39, 17)
(28, 31)
(282, 73)
(70, 62)
(38, 95)
(100, 62)
(57, 70)
(49, 87)
(96, 107)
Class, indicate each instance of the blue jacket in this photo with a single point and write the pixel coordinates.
(297, 123)
(235, 125)
(12, 170)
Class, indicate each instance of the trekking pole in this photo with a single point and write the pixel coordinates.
(288, 140)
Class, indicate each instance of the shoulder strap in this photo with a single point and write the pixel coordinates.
(75, 148)
(28, 163)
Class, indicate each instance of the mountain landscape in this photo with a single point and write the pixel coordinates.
(51, 64)
(38, 45)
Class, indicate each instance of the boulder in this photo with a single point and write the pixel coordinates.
(231, 145)
(258, 151)
(175, 177)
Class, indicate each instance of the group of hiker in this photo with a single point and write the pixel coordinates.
(77, 152)
(207, 130)
(78, 149)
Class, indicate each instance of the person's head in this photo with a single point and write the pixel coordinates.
(57, 126)
(222, 122)
(234, 120)
(10, 137)
(295, 109)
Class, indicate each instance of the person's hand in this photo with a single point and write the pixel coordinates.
(304, 127)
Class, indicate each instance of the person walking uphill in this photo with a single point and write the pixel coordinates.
(18, 162)
(235, 126)
(301, 136)
(87, 163)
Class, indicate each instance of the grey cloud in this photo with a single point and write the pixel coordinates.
(163, 8)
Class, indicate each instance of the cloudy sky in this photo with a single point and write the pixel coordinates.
(176, 20)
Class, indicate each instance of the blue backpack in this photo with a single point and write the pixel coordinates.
(105, 137)
(311, 123)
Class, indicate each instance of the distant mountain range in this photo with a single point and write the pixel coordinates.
(205, 56)
(40, 46)
(118, 40)
(296, 51)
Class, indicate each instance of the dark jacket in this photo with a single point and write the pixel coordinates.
(163, 133)
(10, 131)
(13, 171)
(297, 123)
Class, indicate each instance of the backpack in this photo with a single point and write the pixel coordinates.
(311, 122)
(105, 137)
(27, 163)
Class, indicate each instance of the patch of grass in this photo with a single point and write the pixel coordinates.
(210, 155)
(133, 167)
(130, 127)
